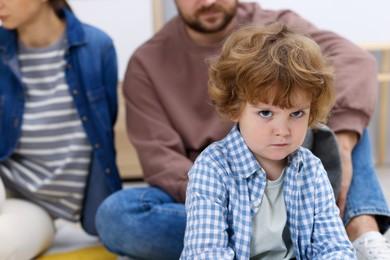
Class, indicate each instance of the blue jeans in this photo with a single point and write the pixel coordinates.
(365, 196)
(146, 223)
(142, 223)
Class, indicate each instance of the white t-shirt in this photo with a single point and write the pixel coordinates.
(270, 236)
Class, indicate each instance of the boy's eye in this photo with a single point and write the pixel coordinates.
(297, 114)
(265, 114)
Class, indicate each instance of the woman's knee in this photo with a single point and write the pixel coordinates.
(28, 230)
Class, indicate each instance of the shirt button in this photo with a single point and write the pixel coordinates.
(96, 146)
(75, 92)
(84, 118)
(108, 170)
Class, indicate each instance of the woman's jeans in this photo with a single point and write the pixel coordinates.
(146, 223)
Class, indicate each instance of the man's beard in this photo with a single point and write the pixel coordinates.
(198, 26)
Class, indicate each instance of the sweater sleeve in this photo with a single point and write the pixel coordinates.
(160, 148)
(355, 76)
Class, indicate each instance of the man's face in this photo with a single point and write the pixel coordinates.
(207, 16)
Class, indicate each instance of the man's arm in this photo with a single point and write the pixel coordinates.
(159, 146)
(110, 80)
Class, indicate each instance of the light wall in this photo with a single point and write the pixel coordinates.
(128, 22)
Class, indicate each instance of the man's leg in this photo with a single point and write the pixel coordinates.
(365, 196)
(142, 223)
(366, 208)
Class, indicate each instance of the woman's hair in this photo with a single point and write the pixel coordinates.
(268, 64)
(58, 5)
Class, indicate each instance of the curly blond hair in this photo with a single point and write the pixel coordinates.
(268, 63)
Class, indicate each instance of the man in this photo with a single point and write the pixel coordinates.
(170, 121)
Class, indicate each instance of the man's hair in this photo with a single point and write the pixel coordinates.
(268, 63)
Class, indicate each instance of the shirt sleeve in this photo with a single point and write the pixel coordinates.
(110, 79)
(206, 234)
(329, 238)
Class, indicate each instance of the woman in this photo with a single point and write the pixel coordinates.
(58, 105)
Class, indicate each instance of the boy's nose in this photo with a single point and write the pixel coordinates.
(281, 129)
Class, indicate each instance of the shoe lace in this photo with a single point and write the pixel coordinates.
(378, 248)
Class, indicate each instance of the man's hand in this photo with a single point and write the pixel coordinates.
(347, 141)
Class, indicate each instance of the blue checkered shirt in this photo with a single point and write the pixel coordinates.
(225, 190)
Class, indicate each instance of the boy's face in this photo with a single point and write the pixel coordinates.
(272, 133)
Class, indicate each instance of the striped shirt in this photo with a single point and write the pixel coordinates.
(50, 164)
(226, 188)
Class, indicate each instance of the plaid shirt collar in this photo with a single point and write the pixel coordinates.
(242, 159)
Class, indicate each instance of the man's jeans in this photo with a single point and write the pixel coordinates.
(365, 196)
(146, 223)
(142, 223)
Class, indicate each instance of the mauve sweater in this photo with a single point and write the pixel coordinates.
(169, 116)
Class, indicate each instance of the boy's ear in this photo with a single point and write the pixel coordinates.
(235, 117)
(236, 114)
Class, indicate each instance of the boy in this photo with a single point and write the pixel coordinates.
(257, 193)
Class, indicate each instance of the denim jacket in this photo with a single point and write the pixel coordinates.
(91, 74)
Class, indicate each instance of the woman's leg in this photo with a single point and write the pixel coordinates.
(2, 195)
(25, 228)
(144, 223)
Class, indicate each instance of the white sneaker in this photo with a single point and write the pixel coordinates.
(372, 245)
